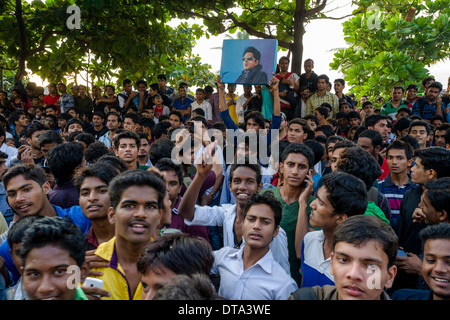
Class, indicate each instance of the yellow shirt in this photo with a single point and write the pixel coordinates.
(114, 280)
(232, 108)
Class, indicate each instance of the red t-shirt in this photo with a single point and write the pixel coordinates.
(48, 99)
(384, 170)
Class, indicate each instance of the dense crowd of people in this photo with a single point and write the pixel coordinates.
(145, 194)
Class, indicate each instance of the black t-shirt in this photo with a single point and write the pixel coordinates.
(97, 134)
(311, 83)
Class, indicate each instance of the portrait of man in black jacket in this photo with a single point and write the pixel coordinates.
(252, 73)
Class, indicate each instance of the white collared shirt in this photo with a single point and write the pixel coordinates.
(225, 215)
(10, 151)
(265, 280)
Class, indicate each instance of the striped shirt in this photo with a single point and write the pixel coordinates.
(394, 195)
(315, 101)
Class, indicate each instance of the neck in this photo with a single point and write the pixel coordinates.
(321, 92)
(47, 210)
(133, 165)
(103, 229)
(400, 178)
(142, 159)
(129, 252)
(290, 194)
(200, 101)
(339, 94)
(251, 255)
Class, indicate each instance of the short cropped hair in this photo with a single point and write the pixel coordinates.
(269, 199)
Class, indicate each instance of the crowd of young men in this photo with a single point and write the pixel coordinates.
(291, 192)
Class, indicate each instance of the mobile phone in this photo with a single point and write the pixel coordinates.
(93, 283)
(401, 253)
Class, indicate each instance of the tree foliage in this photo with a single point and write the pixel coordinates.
(116, 38)
(388, 47)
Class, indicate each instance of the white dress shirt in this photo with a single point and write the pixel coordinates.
(225, 215)
(265, 280)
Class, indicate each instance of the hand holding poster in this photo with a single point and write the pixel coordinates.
(249, 61)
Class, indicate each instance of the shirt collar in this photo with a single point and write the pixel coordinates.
(265, 262)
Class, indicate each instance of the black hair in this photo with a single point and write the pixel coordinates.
(359, 163)
(401, 145)
(56, 231)
(347, 194)
(299, 148)
(63, 159)
(103, 171)
(411, 140)
(162, 76)
(317, 149)
(85, 137)
(435, 84)
(420, 123)
(269, 199)
(256, 116)
(132, 178)
(179, 252)
(199, 112)
(28, 171)
(159, 129)
(324, 77)
(326, 129)
(323, 110)
(133, 116)
(166, 164)
(373, 119)
(17, 231)
(256, 53)
(161, 148)
(141, 82)
(435, 158)
(343, 144)
(116, 162)
(94, 151)
(353, 114)
(34, 127)
(360, 229)
(249, 162)
(126, 134)
(438, 191)
(313, 118)
(126, 81)
(373, 135)
(438, 231)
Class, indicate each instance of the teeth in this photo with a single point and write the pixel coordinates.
(441, 280)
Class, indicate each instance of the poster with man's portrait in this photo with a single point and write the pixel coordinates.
(248, 61)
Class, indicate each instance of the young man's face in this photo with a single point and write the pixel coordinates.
(322, 212)
(155, 279)
(294, 169)
(354, 267)
(335, 156)
(253, 125)
(308, 66)
(382, 127)
(321, 84)
(94, 198)
(3, 167)
(259, 226)
(296, 133)
(244, 184)
(173, 185)
(397, 161)
(397, 94)
(174, 121)
(182, 92)
(23, 121)
(418, 173)
(137, 215)
(127, 150)
(45, 149)
(432, 216)
(411, 93)
(74, 127)
(112, 123)
(367, 145)
(34, 141)
(45, 275)
(432, 93)
(249, 61)
(435, 267)
(144, 149)
(420, 133)
(26, 197)
(368, 109)
(439, 138)
(402, 114)
(338, 87)
(129, 125)
(354, 122)
(97, 121)
(199, 95)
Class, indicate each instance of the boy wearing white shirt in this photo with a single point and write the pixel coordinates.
(251, 273)
(203, 104)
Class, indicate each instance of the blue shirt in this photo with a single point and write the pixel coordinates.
(73, 213)
(424, 109)
(177, 104)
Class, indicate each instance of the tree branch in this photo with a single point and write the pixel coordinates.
(316, 9)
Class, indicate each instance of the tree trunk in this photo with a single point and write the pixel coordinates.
(299, 31)
(23, 41)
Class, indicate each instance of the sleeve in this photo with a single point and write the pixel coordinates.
(229, 123)
(207, 216)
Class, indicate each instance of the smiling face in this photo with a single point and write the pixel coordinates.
(354, 267)
(26, 197)
(436, 267)
(244, 184)
(137, 214)
(94, 198)
(45, 273)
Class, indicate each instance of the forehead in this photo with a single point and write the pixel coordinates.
(18, 181)
(296, 126)
(48, 256)
(396, 152)
(418, 128)
(297, 158)
(169, 175)
(369, 250)
(244, 173)
(439, 247)
(363, 141)
(141, 194)
(127, 141)
(261, 210)
(92, 182)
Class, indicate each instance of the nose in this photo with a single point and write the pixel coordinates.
(354, 272)
(148, 295)
(46, 286)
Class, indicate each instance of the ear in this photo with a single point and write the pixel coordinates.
(341, 218)
(2, 139)
(432, 175)
(116, 152)
(331, 263)
(46, 187)
(280, 167)
(443, 216)
(392, 272)
(259, 187)
(111, 215)
(275, 232)
(377, 149)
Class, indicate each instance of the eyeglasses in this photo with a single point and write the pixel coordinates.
(247, 58)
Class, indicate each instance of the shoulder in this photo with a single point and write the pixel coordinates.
(412, 294)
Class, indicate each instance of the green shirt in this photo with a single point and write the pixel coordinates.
(389, 110)
(80, 295)
(289, 224)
